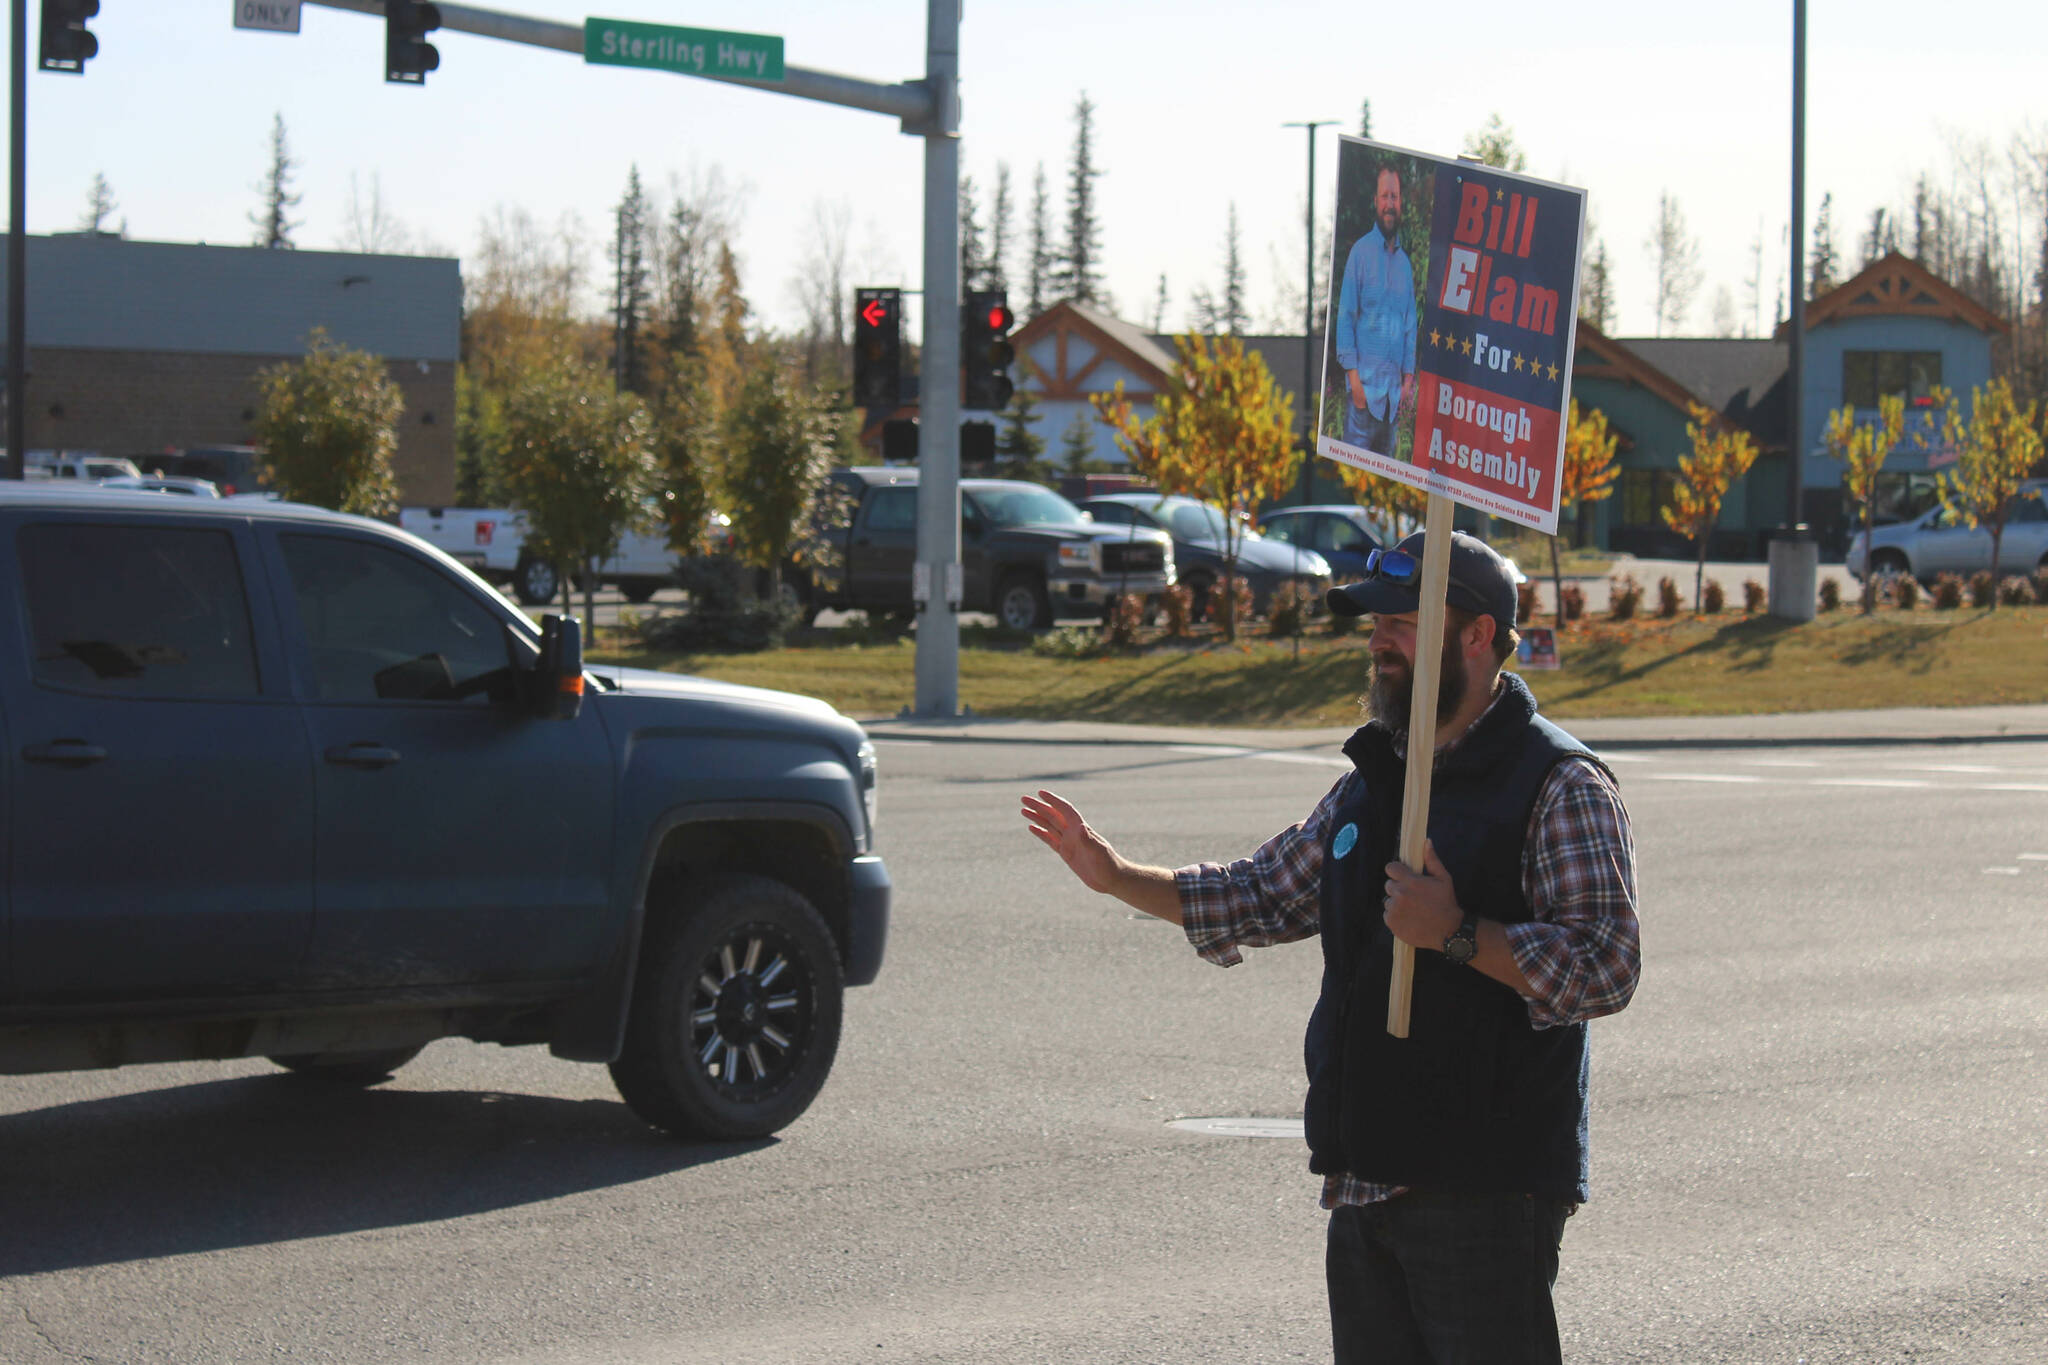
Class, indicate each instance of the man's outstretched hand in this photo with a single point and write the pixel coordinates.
(1060, 828)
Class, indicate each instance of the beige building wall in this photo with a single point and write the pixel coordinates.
(145, 402)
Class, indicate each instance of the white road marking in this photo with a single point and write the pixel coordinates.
(1781, 762)
(1940, 768)
(1268, 755)
(2034, 857)
(2007, 787)
(2001, 872)
(1622, 758)
(1869, 782)
(1703, 777)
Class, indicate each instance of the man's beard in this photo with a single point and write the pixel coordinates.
(1389, 225)
(1392, 694)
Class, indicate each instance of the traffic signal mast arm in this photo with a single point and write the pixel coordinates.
(911, 101)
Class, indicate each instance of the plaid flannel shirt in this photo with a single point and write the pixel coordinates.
(1580, 951)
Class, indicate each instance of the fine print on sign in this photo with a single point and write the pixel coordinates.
(1448, 363)
(272, 16)
(691, 51)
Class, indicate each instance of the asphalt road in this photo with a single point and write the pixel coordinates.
(1820, 1132)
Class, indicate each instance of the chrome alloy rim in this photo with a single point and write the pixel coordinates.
(751, 1009)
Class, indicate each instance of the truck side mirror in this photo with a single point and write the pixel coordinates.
(558, 675)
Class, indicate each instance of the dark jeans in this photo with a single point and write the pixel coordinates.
(1376, 434)
(1434, 1278)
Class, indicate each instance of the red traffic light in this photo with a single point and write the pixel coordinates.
(999, 319)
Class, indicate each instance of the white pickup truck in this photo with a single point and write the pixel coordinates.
(491, 541)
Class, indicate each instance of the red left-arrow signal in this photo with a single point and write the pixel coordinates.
(874, 313)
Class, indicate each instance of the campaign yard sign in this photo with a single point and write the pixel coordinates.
(1448, 359)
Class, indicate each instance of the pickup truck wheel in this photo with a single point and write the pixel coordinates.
(1888, 564)
(1021, 604)
(534, 583)
(735, 1015)
(639, 592)
(1201, 588)
(348, 1068)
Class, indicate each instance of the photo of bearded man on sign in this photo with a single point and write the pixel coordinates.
(1374, 329)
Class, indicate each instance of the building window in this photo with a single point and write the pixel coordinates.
(1870, 375)
(1643, 491)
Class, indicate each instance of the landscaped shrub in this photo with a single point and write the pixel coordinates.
(1624, 596)
(1983, 588)
(723, 613)
(1754, 598)
(1668, 600)
(1713, 597)
(1176, 605)
(1287, 613)
(1233, 610)
(2041, 586)
(1068, 642)
(1831, 594)
(1948, 592)
(1906, 592)
(1525, 602)
(2015, 592)
(1121, 620)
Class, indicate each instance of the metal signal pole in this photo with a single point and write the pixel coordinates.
(17, 252)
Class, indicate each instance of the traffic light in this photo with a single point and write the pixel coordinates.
(67, 46)
(899, 441)
(985, 350)
(977, 445)
(878, 350)
(408, 56)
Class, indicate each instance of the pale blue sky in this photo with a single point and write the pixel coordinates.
(1622, 97)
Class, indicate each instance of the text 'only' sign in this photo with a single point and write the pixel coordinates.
(1454, 377)
(690, 51)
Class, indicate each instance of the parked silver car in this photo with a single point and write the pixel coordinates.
(1938, 542)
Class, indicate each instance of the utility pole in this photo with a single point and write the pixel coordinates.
(938, 571)
(1308, 319)
(17, 253)
(1796, 363)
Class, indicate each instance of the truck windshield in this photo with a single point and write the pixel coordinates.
(1027, 506)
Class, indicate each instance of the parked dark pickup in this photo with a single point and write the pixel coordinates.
(284, 783)
(1027, 554)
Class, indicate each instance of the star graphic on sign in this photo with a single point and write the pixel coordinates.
(1500, 194)
(1518, 363)
(1553, 374)
(1468, 347)
(1434, 338)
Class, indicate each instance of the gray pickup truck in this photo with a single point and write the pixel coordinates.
(283, 783)
(1027, 554)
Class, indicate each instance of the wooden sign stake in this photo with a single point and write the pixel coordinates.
(1429, 645)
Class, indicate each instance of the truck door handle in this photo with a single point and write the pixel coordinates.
(70, 753)
(363, 754)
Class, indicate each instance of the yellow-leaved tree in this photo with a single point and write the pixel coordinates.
(1586, 475)
(1222, 432)
(1721, 454)
(1862, 448)
(1996, 446)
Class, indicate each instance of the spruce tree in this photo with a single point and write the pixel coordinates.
(1039, 282)
(973, 261)
(273, 223)
(996, 264)
(1080, 277)
(1821, 260)
(629, 285)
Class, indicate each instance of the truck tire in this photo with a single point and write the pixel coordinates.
(638, 590)
(349, 1068)
(1021, 603)
(534, 582)
(735, 1014)
(1201, 595)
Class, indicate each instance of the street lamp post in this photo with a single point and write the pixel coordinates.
(1308, 316)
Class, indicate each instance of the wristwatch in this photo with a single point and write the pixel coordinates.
(1463, 944)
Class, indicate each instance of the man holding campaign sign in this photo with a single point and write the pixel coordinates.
(1451, 1131)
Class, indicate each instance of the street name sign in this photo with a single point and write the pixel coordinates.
(689, 51)
(271, 16)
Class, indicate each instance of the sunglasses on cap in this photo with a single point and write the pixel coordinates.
(1395, 566)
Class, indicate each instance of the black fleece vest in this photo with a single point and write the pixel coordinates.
(1474, 1098)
